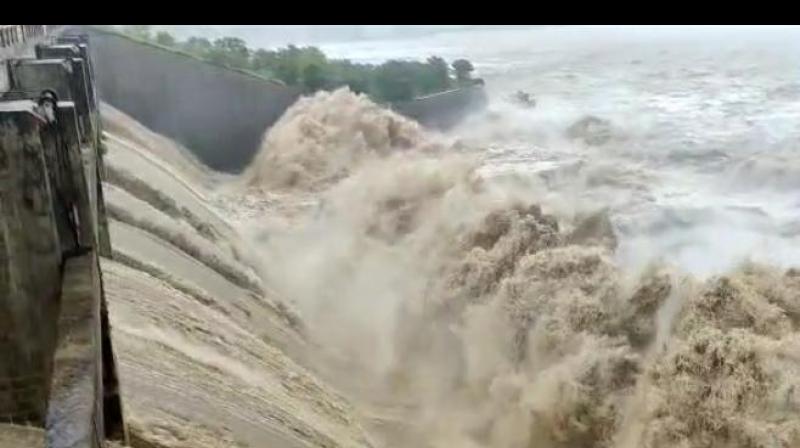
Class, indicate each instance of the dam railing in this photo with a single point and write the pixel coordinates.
(12, 35)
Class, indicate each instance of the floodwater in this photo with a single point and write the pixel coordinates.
(606, 269)
(706, 169)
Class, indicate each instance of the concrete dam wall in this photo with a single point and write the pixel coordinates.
(445, 109)
(57, 372)
(218, 112)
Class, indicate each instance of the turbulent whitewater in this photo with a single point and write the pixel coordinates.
(460, 305)
(616, 267)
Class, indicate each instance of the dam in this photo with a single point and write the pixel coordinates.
(349, 277)
(109, 240)
(59, 372)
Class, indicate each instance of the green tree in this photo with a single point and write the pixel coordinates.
(393, 81)
(290, 63)
(311, 55)
(263, 60)
(440, 72)
(198, 46)
(138, 31)
(356, 76)
(165, 39)
(286, 68)
(463, 69)
(313, 78)
(230, 51)
(309, 68)
(424, 78)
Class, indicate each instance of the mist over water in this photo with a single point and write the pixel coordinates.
(510, 285)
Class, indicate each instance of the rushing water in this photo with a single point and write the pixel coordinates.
(706, 170)
(457, 279)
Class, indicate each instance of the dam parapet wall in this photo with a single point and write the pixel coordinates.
(56, 362)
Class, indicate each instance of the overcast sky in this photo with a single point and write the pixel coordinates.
(270, 36)
(279, 35)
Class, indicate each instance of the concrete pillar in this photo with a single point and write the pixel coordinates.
(66, 77)
(80, 191)
(77, 50)
(62, 184)
(30, 259)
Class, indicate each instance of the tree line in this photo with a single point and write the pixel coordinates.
(309, 68)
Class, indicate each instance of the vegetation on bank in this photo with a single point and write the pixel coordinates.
(309, 68)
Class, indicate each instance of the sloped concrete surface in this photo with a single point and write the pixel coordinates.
(205, 358)
(191, 376)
